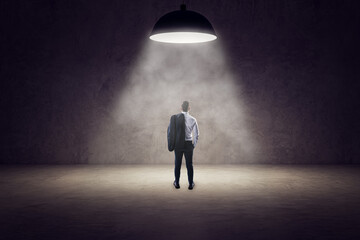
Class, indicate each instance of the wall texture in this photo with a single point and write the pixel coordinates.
(69, 70)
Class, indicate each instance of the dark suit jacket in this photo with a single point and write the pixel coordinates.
(176, 132)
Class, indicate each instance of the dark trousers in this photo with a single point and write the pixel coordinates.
(188, 152)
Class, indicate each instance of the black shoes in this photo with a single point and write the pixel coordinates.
(177, 186)
(191, 186)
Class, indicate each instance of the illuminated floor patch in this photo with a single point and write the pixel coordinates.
(139, 202)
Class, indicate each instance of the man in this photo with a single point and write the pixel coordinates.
(181, 139)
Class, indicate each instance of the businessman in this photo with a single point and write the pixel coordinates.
(181, 139)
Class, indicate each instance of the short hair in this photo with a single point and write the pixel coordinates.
(185, 106)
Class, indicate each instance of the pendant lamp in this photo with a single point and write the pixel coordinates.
(183, 26)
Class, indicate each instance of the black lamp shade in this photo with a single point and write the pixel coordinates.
(183, 26)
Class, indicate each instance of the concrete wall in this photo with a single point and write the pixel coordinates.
(67, 68)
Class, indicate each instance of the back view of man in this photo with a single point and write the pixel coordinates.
(180, 137)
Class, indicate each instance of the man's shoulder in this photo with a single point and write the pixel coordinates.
(176, 115)
(191, 117)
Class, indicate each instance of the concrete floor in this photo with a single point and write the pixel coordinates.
(139, 202)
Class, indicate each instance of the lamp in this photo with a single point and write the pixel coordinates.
(183, 26)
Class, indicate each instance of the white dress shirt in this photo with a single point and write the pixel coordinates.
(191, 126)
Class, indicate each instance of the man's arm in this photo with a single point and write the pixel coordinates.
(196, 133)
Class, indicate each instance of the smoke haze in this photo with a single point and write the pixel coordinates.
(164, 76)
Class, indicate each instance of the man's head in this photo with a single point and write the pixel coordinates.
(185, 106)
